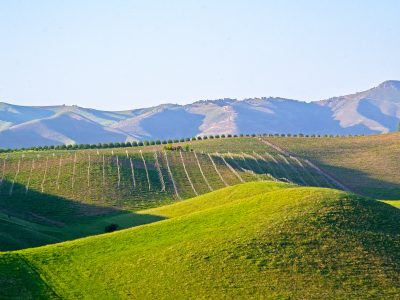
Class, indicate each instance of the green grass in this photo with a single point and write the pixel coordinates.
(233, 145)
(254, 240)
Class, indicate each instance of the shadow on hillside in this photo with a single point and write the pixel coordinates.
(359, 182)
(289, 116)
(362, 183)
(372, 112)
(58, 217)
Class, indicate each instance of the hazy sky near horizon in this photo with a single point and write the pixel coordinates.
(128, 54)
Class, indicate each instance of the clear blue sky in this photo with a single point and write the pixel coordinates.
(129, 54)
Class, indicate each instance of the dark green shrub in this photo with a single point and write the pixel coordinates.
(111, 227)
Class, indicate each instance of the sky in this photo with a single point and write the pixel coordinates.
(117, 55)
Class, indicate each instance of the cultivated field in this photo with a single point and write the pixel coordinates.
(132, 178)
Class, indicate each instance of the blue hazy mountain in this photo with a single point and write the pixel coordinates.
(376, 110)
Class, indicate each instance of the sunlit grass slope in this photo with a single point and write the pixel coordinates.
(249, 241)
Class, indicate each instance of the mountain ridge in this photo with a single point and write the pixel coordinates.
(376, 110)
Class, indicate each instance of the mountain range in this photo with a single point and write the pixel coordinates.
(376, 110)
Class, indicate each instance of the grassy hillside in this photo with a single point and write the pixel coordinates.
(260, 239)
(369, 165)
(47, 197)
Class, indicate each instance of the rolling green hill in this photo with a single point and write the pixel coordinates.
(252, 240)
(52, 196)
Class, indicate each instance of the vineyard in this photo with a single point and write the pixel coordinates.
(138, 179)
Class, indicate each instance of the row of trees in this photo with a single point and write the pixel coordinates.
(157, 142)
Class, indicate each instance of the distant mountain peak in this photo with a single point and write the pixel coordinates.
(221, 102)
(390, 84)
